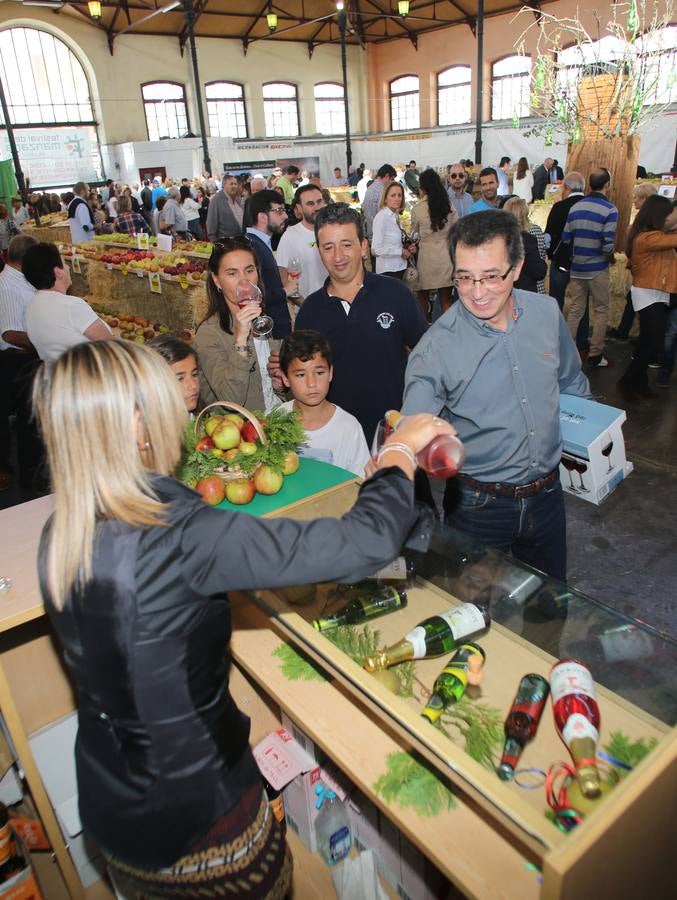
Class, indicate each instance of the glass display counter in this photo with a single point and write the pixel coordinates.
(535, 621)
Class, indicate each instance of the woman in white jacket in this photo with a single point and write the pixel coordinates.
(523, 181)
(386, 244)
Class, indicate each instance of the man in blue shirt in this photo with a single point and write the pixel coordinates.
(590, 231)
(371, 321)
(266, 214)
(489, 188)
(494, 366)
(459, 198)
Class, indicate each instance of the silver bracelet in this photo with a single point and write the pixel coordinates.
(242, 348)
(401, 448)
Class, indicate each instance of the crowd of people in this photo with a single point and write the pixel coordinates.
(350, 339)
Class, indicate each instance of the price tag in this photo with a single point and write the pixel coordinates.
(142, 241)
(123, 268)
(154, 281)
(109, 266)
(140, 273)
(76, 265)
(183, 281)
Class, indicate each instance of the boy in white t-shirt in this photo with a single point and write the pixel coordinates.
(334, 435)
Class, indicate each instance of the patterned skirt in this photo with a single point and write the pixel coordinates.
(243, 855)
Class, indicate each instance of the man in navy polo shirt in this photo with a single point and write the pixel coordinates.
(371, 321)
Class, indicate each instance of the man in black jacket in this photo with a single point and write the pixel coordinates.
(541, 178)
(265, 215)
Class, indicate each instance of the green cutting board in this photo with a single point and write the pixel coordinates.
(311, 477)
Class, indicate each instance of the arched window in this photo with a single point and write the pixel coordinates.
(226, 110)
(658, 63)
(404, 103)
(330, 114)
(281, 109)
(50, 106)
(164, 103)
(510, 89)
(453, 96)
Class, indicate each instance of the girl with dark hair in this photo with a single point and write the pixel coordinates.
(523, 181)
(233, 363)
(432, 217)
(182, 360)
(191, 210)
(653, 263)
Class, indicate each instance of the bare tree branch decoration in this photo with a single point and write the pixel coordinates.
(604, 81)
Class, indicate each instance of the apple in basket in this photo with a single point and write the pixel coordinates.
(205, 443)
(230, 455)
(226, 435)
(240, 491)
(249, 433)
(238, 420)
(247, 447)
(211, 424)
(267, 480)
(211, 489)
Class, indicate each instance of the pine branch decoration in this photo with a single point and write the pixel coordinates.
(410, 783)
(627, 751)
(295, 666)
(481, 727)
(355, 642)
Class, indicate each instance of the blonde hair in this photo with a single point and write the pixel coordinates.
(519, 210)
(646, 189)
(93, 404)
(384, 195)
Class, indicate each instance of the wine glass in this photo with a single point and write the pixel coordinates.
(580, 467)
(247, 293)
(294, 270)
(606, 451)
(569, 464)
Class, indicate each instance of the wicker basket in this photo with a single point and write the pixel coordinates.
(234, 473)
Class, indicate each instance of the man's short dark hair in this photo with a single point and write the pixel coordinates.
(386, 169)
(482, 227)
(291, 170)
(504, 160)
(339, 214)
(304, 345)
(18, 247)
(260, 202)
(489, 171)
(109, 181)
(304, 190)
(39, 263)
(412, 162)
(599, 179)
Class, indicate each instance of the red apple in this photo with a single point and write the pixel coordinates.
(211, 424)
(237, 420)
(211, 489)
(205, 443)
(249, 433)
(240, 491)
(267, 480)
(247, 447)
(290, 463)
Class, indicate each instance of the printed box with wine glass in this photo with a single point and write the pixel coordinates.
(593, 460)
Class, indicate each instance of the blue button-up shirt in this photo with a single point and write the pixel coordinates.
(499, 389)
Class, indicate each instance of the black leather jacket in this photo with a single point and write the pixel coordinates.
(162, 751)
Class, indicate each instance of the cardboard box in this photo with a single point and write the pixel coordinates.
(593, 454)
(53, 749)
(23, 885)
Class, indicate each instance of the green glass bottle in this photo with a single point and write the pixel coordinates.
(452, 681)
(434, 636)
(367, 602)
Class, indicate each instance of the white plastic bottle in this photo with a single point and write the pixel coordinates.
(334, 838)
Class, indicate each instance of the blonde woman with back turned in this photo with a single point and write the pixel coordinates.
(133, 569)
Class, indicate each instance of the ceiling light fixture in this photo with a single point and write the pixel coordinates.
(271, 19)
(53, 4)
(170, 6)
(339, 5)
(94, 7)
(403, 8)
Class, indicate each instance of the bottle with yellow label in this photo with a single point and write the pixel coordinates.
(452, 681)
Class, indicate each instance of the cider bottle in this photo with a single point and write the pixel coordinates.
(574, 705)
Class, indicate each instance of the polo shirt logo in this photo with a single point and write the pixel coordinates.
(385, 319)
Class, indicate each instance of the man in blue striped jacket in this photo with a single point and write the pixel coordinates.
(591, 230)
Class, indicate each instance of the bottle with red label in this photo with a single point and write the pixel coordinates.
(574, 705)
(522, 721)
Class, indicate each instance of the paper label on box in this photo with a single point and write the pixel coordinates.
(280, 759)
(142, 241)
(76, 265)
(154, 281)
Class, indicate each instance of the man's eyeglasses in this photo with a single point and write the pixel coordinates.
(457, 175)
(277, 209)
(492, 281)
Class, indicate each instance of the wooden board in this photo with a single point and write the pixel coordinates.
(20, 527)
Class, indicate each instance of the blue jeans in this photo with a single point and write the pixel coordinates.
(533, 529)
(558, 285)
(670, 347)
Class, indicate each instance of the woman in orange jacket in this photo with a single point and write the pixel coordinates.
(652, 256)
